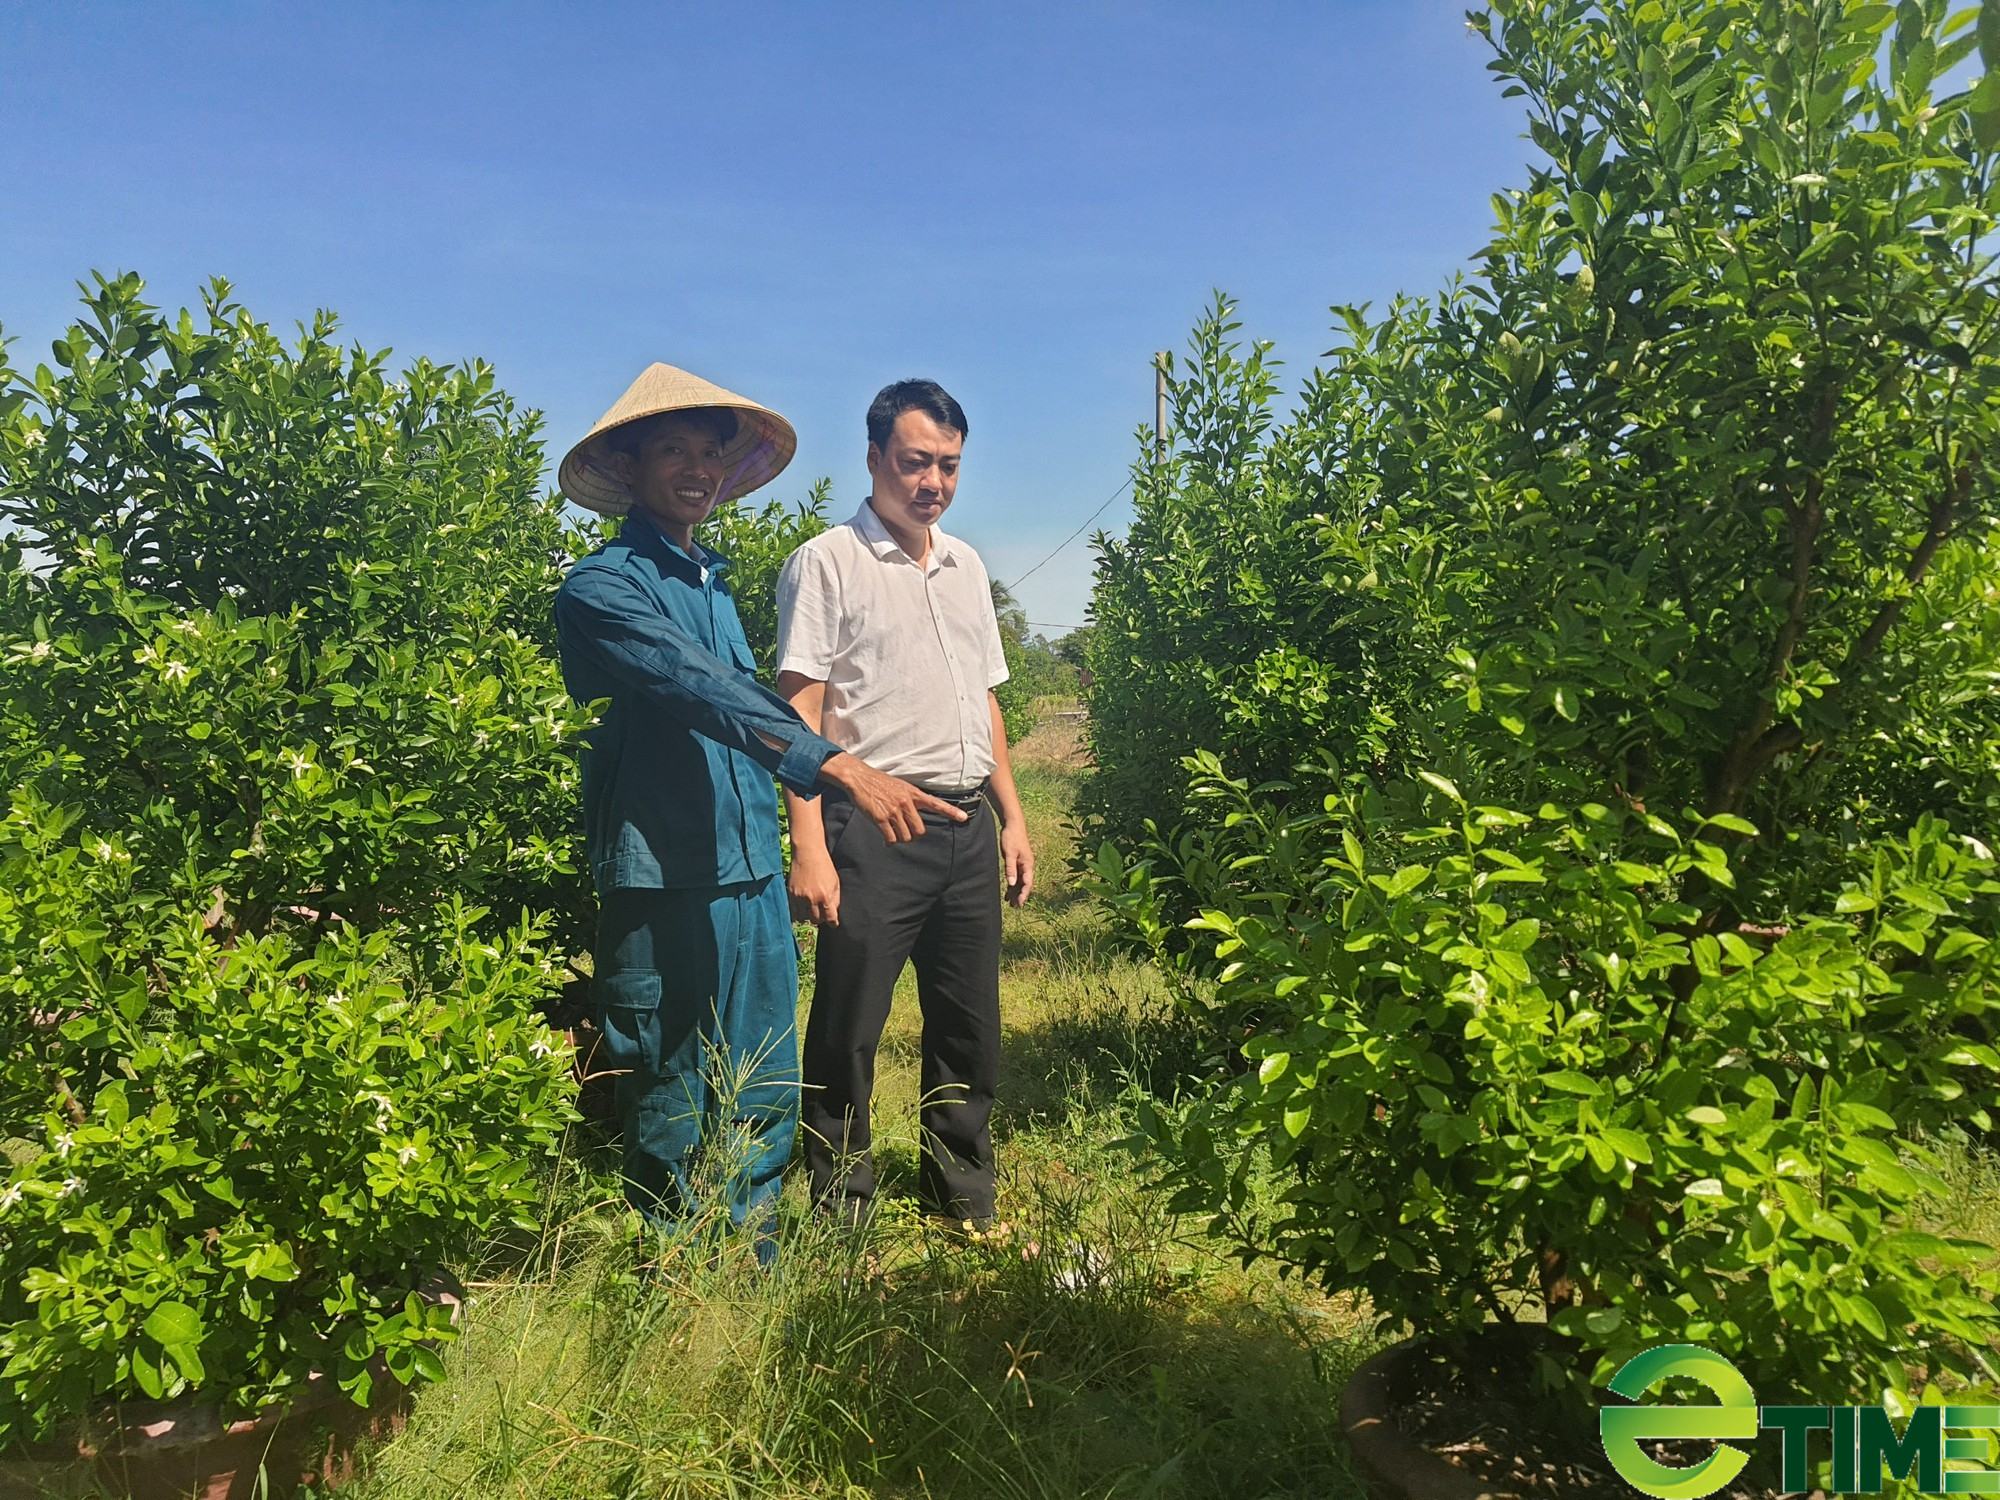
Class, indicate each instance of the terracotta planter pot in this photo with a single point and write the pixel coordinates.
(183, 1450)
(1394, 1465)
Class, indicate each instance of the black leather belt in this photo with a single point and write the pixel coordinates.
(967, 801)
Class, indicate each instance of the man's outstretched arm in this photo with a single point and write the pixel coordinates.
(608, 622)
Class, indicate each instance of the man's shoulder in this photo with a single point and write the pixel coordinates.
(611, 559)
(840, 537)
(835, 546)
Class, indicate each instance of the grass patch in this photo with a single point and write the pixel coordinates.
(1099, 1352)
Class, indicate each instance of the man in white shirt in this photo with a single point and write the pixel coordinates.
(888, 646)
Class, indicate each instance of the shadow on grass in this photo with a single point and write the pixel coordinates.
(1086, 1056)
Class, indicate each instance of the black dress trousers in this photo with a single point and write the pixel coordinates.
(934, 900)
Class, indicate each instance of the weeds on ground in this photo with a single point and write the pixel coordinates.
(1090, 1353)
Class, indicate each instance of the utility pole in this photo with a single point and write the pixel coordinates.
(1160, 407)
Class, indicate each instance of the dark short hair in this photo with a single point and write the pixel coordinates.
(926, 396)
(719, 421)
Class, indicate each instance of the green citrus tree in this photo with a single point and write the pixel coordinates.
(1636, 929)
(287, 862)
(282, 621)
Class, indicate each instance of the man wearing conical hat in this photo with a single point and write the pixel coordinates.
(696, 974)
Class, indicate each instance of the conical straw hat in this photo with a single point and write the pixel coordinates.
(763, 445)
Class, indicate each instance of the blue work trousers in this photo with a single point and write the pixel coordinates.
(697, 997)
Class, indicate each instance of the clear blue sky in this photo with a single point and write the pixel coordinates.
(800, 201)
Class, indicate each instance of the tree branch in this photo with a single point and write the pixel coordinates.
(1759, 742)
(1942, 521)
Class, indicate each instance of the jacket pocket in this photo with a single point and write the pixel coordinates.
(628, 1014)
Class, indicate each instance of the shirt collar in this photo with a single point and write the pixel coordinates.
(649, 541)
(876, 535)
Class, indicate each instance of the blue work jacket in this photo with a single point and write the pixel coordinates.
(677, 775)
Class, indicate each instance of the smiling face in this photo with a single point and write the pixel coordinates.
(676, 476)
(915, 475)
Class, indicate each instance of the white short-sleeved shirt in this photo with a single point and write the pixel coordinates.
(907, 651)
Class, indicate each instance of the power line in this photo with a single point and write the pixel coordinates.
(1071, 537)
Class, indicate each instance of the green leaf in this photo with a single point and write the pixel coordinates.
(148, 1374)
(271, 1263)
(1406, 880)
(173, 1323)
(1923, 898)
(1973, 1055)
(1859, 1309)
(1917, 1244)
(1629, 1143)
(1602, 1322)
(187, 1359)
(1957, 943)
(1447, 787)
(1571, 1082)
(1986, 126)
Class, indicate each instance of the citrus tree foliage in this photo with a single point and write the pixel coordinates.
(1635, 927)
(245, 1154)
(291, 851)
(1210, 624)
(757, 542)
(287, 626)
